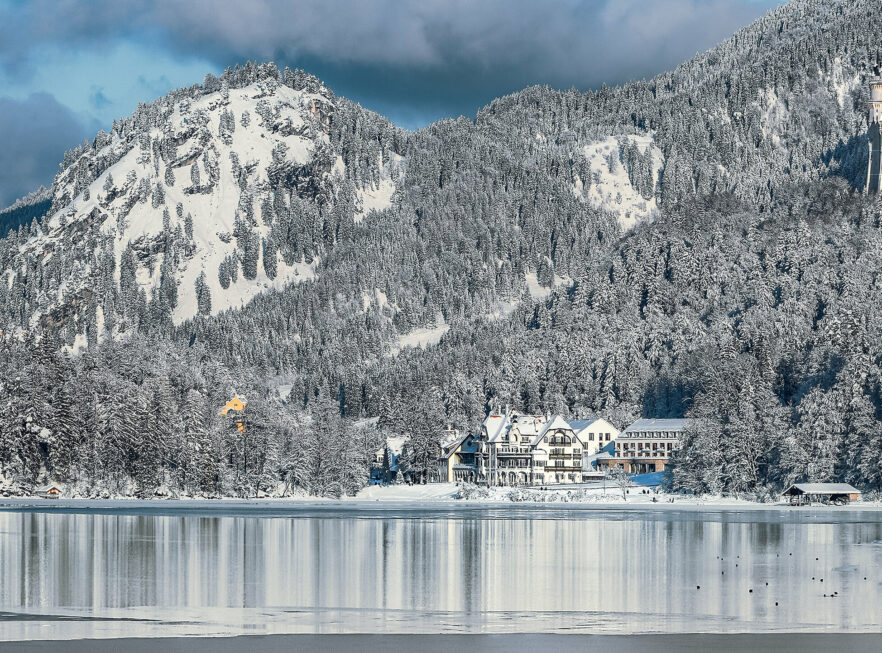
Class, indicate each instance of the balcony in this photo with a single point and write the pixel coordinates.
(511, 464)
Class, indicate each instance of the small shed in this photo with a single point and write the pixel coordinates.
(806, 493)
(53, 493)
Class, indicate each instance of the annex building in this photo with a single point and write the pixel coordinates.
(646, 445)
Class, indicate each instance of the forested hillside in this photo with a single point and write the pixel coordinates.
(693, 244)
(25, 210)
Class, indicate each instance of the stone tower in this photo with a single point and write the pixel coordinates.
(875, 136)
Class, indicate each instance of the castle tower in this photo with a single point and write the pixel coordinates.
(875, 136)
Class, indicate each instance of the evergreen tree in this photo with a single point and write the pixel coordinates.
(203, 296)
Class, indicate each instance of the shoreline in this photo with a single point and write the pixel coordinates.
(657, 643)
(450, 498)
(282, 506)
(459, 496)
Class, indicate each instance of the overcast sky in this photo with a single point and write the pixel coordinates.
(69, 67)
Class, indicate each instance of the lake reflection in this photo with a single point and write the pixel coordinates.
(568, 571)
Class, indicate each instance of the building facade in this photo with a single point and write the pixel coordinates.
(506, 448)
(557, 454)
(515, 448)
(457, 460)
(646, 445)
(598, 438)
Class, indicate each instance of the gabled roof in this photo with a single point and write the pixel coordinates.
(554, 424)
(580, 425)
(448, 448)
(821, 488)
(655, 425)
(496, 425)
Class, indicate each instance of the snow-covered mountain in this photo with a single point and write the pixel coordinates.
(209, 162)
(185, 208)
(258, 181)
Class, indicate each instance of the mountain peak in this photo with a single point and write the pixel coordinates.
(218, 190)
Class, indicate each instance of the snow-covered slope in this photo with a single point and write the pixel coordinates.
(190, 202)
(611, 187)
(378, 197)
(267, 129)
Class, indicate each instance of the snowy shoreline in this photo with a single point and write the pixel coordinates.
(444, 496)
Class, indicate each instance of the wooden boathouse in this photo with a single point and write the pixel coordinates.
(803, 494)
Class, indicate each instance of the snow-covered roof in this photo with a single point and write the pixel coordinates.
(528, 424)
(600, 455)
(821, 488)
(579, 425)
(655, 425)
(496, 425)
(499, 425)
(449, 447)
(555, 424)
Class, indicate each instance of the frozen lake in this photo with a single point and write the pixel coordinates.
(148, 571)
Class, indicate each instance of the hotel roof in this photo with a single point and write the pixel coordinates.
(657, 425)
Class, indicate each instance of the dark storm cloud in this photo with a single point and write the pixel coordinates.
(36, 131)
(426, 57)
